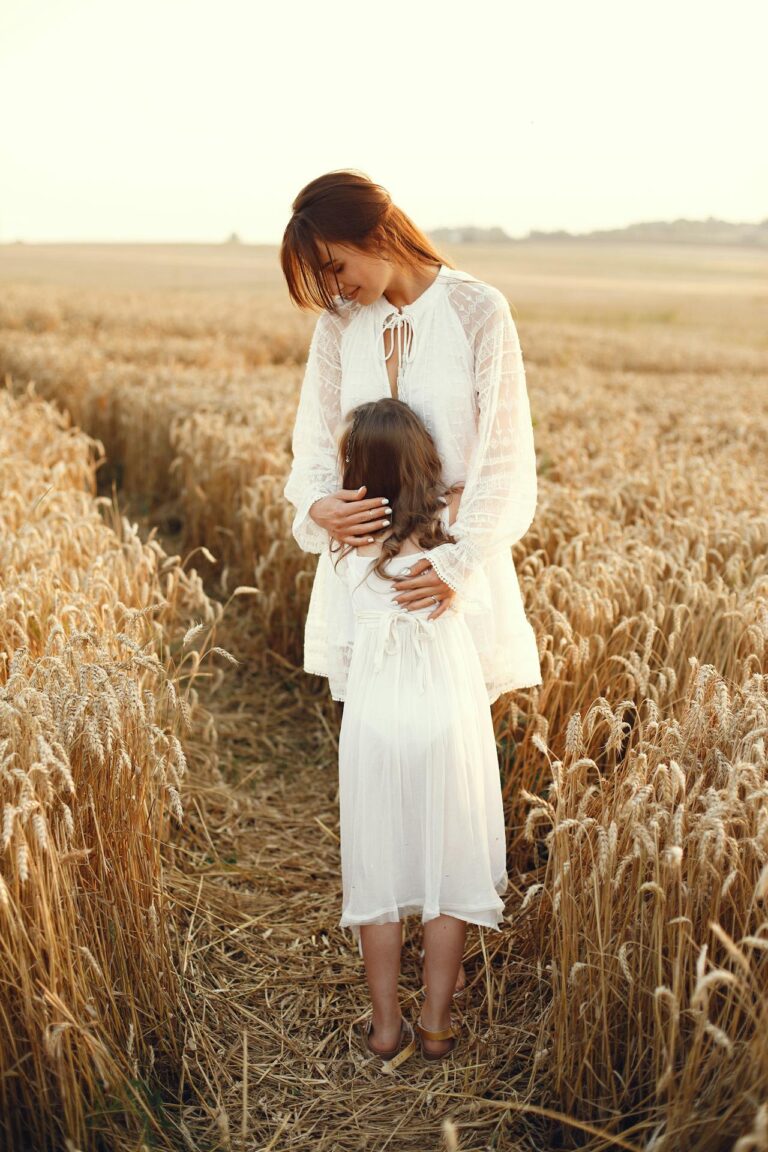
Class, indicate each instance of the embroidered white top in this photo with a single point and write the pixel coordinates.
(461, 370)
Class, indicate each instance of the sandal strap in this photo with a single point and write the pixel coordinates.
(404, 1053)
(389, 1064)
(443, 1034)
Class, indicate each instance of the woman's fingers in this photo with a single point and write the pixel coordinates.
(365, 509)
(359, 523)
(419, 590)
(420, 566)
(417, 599)
(427, 602)
(356, 533)
(422, 578)
(367, 524)
(443, 607)
(357, 503)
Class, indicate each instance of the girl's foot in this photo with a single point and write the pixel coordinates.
(385, 1039)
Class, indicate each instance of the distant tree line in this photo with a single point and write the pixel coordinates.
(710, 231)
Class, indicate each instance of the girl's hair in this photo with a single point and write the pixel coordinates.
(346, 207)
(384, 445)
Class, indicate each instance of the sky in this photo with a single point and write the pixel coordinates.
(176, 120)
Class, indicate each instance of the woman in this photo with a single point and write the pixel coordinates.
(404, 321)
(396, 319)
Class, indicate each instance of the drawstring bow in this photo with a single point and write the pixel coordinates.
(388, 636)
(400, 323)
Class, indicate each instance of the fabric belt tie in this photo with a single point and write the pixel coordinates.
(388, 637)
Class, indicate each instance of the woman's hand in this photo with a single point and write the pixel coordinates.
(350, 518)
(419, 589)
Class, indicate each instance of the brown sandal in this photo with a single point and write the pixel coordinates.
(451, 1033)
(402, 1050)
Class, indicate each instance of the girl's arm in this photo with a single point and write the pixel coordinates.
(314, 472)
(499, 498)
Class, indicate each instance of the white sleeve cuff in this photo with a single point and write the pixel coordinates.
(309, 536)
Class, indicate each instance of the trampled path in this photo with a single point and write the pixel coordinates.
(275, 987)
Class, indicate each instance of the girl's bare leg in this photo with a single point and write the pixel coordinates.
(461, 979)
(444, 940)
(381, 956)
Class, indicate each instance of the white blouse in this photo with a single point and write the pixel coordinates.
(461, 371)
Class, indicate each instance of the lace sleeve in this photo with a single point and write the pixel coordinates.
(499, 499)
(314, 471)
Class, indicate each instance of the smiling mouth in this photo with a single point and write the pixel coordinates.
(351, 295)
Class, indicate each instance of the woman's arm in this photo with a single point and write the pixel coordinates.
(454, 500)
(499, 498)
(314, 472)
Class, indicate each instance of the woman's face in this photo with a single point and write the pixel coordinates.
(360, 276)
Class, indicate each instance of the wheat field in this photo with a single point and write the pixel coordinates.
(173, 976)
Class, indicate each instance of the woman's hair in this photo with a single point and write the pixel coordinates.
(346, 207)
(384, 445)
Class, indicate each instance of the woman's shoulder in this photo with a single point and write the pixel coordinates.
(474, 300)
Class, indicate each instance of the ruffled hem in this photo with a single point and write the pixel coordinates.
(412, 907)
(494, 917)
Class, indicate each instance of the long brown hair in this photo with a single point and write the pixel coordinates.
(384, 445)
(346, 207)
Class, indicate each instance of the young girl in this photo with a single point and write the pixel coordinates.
(421, 815)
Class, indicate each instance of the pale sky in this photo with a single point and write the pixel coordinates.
(178, 120)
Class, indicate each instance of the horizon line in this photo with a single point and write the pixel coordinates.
(234, 240)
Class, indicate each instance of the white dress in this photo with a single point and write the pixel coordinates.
(421, 812)
(461, 370)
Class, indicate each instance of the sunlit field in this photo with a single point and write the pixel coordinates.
(172, 972)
